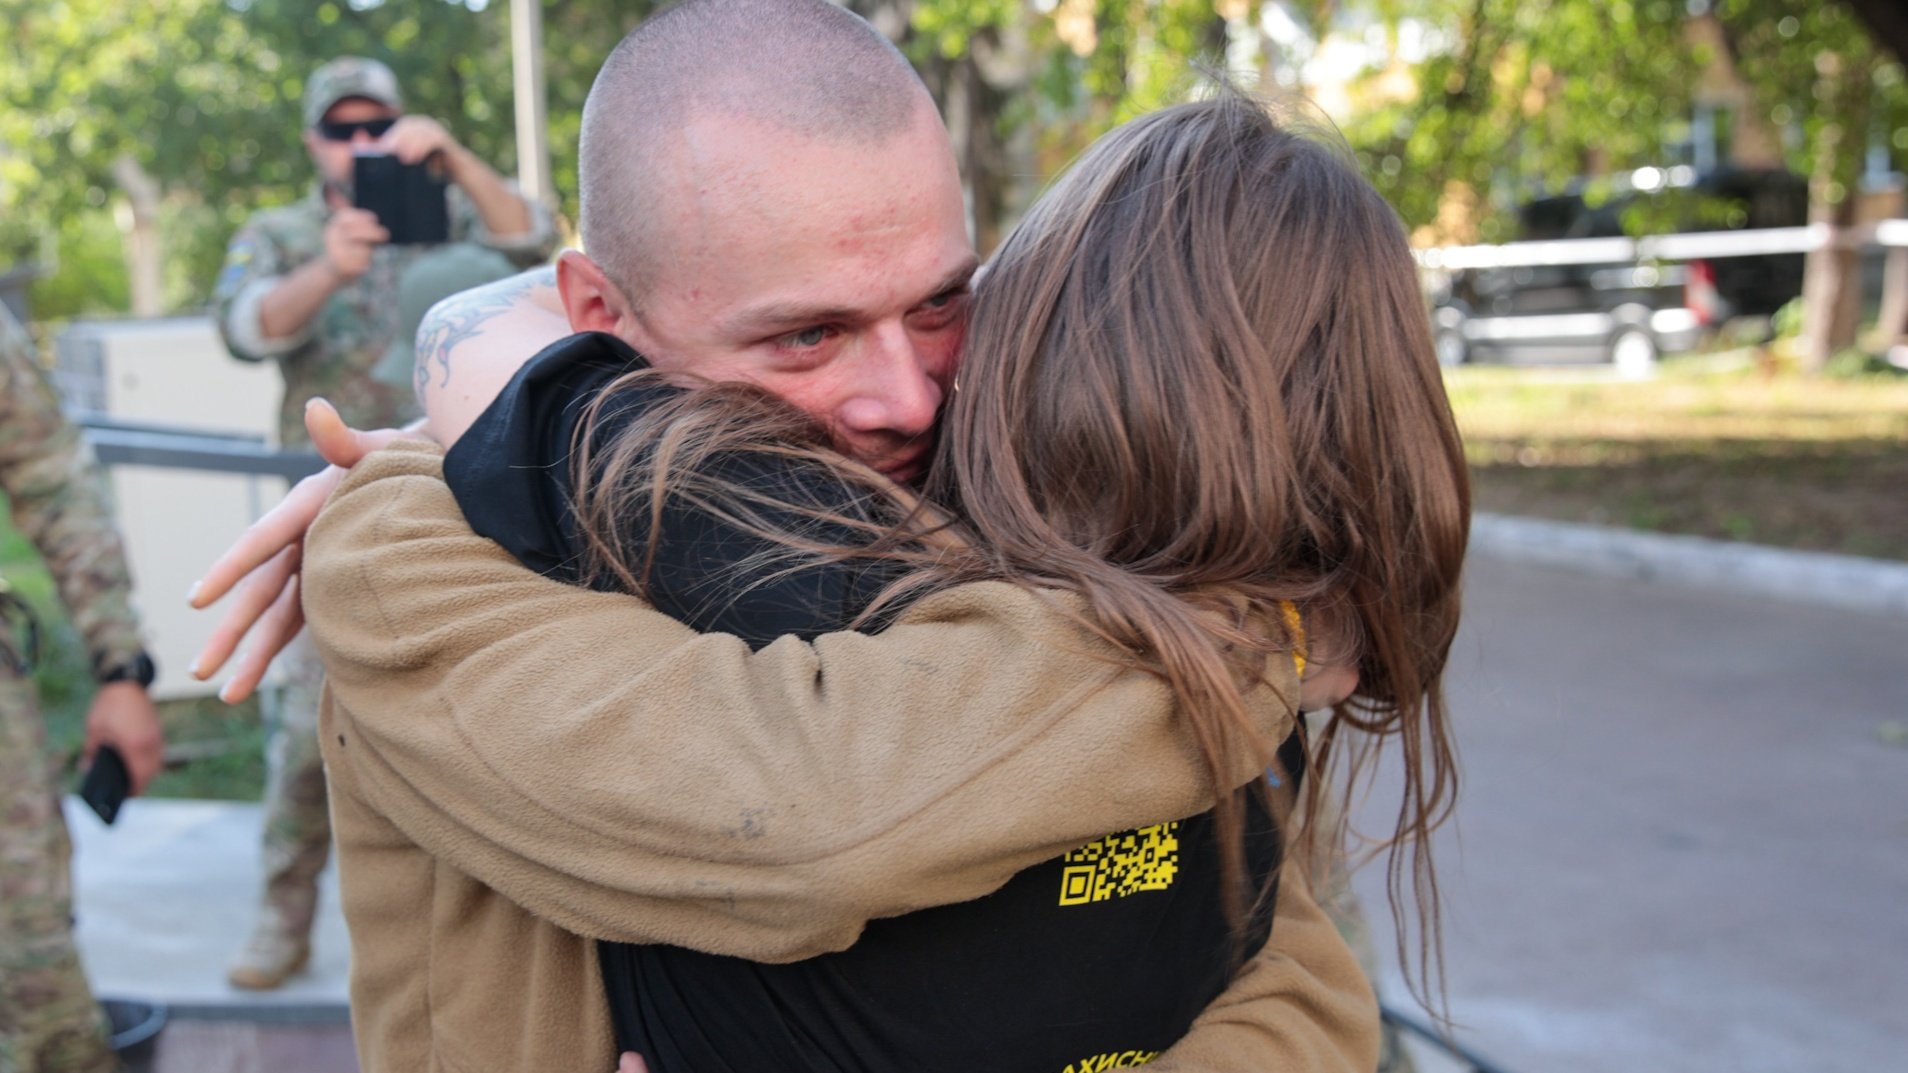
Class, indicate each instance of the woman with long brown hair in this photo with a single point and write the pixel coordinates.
(1200, 409)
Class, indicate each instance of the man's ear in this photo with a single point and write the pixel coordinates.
(591, 301)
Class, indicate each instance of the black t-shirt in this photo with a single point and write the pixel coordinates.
(1094, 960)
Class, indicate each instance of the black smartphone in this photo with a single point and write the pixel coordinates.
(106, 784)
(410, 200)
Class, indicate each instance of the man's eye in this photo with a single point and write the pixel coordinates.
(943, 299)
(806, 338)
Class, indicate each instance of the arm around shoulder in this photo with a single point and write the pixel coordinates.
(626, 778)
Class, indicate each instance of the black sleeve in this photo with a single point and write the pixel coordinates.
(511, 474)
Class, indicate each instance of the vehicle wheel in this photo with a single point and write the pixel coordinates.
(1451, 348)
(1633, 353)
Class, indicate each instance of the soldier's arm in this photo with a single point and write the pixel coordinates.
(255, 267)
(59, 504)
(491, 211)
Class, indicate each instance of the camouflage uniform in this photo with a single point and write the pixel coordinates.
(339, 355)
(342, 355)
(48, 1020)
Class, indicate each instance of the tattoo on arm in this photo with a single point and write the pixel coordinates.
(463, 317)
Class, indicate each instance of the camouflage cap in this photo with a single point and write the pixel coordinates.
(349, 76)
(428, 280)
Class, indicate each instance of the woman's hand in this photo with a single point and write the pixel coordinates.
(265, 559)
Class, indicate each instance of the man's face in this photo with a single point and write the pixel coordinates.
(833, 276)
(333, 156)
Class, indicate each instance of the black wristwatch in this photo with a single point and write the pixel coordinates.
(138, 669)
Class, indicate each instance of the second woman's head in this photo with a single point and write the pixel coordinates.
(1200, 377)
(1204, 357)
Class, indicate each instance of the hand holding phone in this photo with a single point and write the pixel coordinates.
(107, 784)
(408, 199)
(351, 238)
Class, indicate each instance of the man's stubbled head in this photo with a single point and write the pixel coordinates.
(769, 195)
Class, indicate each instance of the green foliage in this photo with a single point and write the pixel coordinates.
(1519, 96)
(1787, 321)
(1817, 70)
(1507, 97)
(64, 675)
(88, 278)
(1857, 364)
(947, 29)
(205, 95)
(1043, 78)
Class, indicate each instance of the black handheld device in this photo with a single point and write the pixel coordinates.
(408, 199)
(106, 784)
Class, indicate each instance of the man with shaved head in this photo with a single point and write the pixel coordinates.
(768, 196)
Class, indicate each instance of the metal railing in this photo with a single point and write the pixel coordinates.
(1686, 246)
(1439, 1041)
(127, 443)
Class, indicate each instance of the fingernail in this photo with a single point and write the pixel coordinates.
(192, 594)
(194, 671)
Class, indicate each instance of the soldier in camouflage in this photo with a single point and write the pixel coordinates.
(48, 1020)
(313, 286)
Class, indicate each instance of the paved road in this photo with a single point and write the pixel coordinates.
(1683, 839)
(232, 1046)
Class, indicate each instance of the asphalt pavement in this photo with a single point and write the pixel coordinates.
(1682, 842)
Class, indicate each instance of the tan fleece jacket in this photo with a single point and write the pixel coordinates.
(519, 766)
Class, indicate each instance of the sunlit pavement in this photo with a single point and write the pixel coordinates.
(1683, 838)
(165, 897)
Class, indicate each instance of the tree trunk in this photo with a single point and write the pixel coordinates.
(1892, 326)
(971, 90)
(1831, 276)
(144, 262)
(1888, 21)
(1831, 290)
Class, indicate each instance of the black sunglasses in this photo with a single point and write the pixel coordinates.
(344, 132)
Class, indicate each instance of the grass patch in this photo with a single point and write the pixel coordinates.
(1709, 448)
(213, 750)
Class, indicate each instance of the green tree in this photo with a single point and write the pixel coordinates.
(1026, 84)
(1511, 96)
(1817, 69)
(201, 97)
(1520, 95)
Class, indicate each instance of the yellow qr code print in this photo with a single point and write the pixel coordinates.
(1120, 865)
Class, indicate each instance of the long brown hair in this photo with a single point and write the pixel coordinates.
(1201, 373)
(1199, 381)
